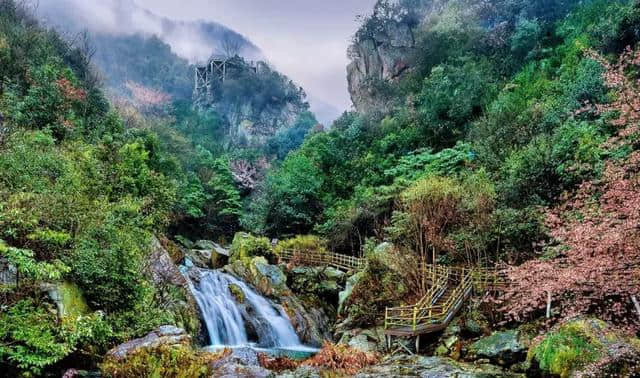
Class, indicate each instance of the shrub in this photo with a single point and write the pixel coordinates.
(245, 246)
(342, 358)
(302, 243)
(565, 350)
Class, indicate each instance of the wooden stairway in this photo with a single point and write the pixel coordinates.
(451, 287)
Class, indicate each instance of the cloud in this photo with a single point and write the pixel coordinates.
(195, 40)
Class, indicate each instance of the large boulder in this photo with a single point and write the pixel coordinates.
(168, 336)
(503, 347)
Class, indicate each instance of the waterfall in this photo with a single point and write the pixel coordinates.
(227, 320)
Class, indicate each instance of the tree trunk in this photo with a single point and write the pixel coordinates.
(636, 304)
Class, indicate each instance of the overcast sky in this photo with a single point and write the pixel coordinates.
(305, 39)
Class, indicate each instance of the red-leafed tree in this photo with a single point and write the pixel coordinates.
(597, 266)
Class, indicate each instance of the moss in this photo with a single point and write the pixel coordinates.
(567, 349)
(237, 293)
(179, 361)
(245, 247)
(73, 301)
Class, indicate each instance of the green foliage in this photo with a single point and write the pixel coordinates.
(291, 198)
(364, 305)
(31, 338)
(29, 268)
(451, 96)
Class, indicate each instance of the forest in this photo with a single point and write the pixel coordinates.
(505, 140)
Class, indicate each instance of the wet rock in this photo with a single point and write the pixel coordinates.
(311, 323)
(163, 336)
(8, 272)
(268, 279)
(365, 340)
(199, 257)
(502, 347)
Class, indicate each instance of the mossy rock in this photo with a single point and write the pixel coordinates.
(237, 293)
(584, 344)
(69, 300)
(245, 247)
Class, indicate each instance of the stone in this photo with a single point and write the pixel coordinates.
(199, 257)
(503, 347)
(186, 243)
(163, 336)
(8, 273)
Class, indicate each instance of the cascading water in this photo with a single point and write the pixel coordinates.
(227, 319)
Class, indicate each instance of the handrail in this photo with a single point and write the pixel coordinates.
(425, 311)
(323, 258)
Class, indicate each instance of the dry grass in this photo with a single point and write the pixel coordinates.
(342, 358)
(337, 358)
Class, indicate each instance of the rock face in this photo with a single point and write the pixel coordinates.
(383, 50)
(163, 336)
(166, 278)
(503, 348)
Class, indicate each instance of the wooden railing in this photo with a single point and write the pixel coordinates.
(335, 260)
(426, 312)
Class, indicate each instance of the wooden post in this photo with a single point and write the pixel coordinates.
(548, 304)
(636, 304)
(415, 316)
